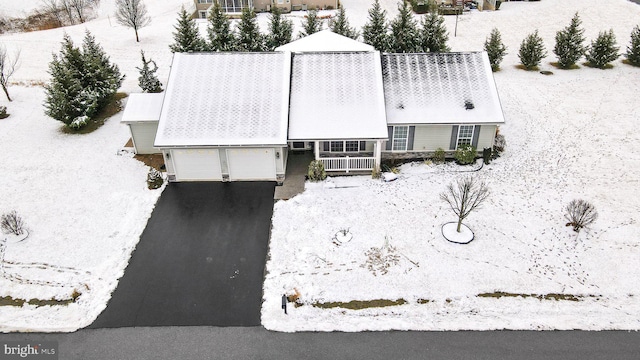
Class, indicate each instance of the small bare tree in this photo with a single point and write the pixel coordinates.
(8, 66)
(464, 196)
(11, 223)
(580, 214)
(133, 14)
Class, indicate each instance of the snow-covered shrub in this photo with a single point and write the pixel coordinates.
(532, 51)
(316, 171)
(3, 112)
(375, 173)
(495, 48)
(380, 259)
(12, 223)
(79, 122)
(569, 48)
(438, 156)
(580, 213)
(603, 50)
(465, 154)
(633, 50)
(154, 178)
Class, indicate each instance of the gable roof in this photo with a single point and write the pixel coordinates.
(143, 107)
(433, 88)
(215, 99)
(325, 41)
(337, 96)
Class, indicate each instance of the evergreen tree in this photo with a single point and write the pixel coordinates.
(221, 37)
(101, 79)
(405, 36)
(148, 81)
(249, 36)
(82, 82)
(633, 50)
(433, 37)
(569, 46)
(495, 49)
(603, 50)
(532, 51)
(312, 24)
(376, 31)
(280, 30)
(340, 25)
(186, 36)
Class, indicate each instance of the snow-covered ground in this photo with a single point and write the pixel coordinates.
(570, 135)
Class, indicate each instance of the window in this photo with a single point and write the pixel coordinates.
(344, 146)
(465, 135)
(400, 138)
(203, 14)
(205, 1)
(234, 6)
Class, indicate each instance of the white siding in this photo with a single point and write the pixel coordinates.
(143, 135)
(431, 137)
(487, 134)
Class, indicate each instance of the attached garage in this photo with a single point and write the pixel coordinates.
(142, 114)
(196, 164)
(205, 134)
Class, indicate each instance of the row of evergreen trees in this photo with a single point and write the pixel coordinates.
(402, 34)
(570, 48)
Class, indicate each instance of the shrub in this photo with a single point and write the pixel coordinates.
(532, 51)
(316, 171)
(12, 223)
(633, 50)
(569, 48)
(3, 112)
(603, 50)
(438, 156)
(580, 213)
(154, 179)
(375, 173)
(465, 154)
(495, 49)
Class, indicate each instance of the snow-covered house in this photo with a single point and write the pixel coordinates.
(202, 8)
(348, 103)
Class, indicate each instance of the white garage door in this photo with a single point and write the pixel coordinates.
(196, 164)
(251, 164)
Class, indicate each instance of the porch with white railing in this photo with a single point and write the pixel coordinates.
(348, 163)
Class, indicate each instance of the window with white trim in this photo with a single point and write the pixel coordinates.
(203, 14)
(205, 1)
(400, 138)
(344, 146)
(234, 6)
(465, 135)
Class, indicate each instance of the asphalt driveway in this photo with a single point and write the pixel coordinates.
(200, 260)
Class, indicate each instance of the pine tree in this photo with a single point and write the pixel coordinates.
(340, 25)
(633, 50)
(221, 37)
(569, 46)
(532, 51)
(280, 29)
(376, 31)
(495, 49)
(603, 50)
(405, 36)
(148, 81)
(249, 36)
(433, 37)
(311, 25)
(82, 82)
(186, 36)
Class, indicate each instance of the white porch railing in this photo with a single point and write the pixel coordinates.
(347, 163)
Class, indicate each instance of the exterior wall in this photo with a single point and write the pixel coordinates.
(314, 4)
(431, 137)
(143, 135)
(265, 5)
(200, 7)
(487, 136)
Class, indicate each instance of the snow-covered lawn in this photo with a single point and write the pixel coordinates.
(570, 135)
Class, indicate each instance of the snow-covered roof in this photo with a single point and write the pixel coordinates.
(438, 87)
(143, 107)
(226, 99)
(325, 41)
(337, 96)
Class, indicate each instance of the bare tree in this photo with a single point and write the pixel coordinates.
(580, 213)
(8, 66)
(133, 14)
(464, 196)
(79, 7)
(53, 7)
